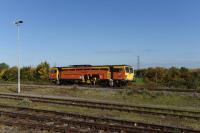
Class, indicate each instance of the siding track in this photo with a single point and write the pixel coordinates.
(72, 122)
(188, 114)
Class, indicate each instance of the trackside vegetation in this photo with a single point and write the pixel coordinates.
(28, 73)
(173, 77)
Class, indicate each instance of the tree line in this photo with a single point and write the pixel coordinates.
(28, 73)
(171, 77)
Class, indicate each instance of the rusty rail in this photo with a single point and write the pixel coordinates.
(95, 123)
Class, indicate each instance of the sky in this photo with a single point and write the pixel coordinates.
(66, 32)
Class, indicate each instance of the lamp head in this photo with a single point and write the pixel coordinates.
(18, 22)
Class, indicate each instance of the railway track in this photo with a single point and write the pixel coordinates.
(29, 125)
(58, 123)
(110, 106)
(65, 122)
(173, 90)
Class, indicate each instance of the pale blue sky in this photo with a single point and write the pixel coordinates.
(64, 32)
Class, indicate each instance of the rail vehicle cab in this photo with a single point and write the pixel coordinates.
(122, 74)
(54, 74)
(129, 73)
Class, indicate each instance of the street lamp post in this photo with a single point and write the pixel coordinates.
(18, 23)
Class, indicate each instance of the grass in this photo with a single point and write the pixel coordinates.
(141, 97)
(139, 81)
(134, 97)
(37, 82)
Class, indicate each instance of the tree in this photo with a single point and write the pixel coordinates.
(42, 71)
(3, 66)
(27, 73)
(10, 74)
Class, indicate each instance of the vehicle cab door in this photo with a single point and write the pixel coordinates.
(118, 73)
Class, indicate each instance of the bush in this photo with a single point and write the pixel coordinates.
(25, 103)
(176, 83)
(192, 83)
(42, 71)
(172, 77)
(10, 74)
(27, 73)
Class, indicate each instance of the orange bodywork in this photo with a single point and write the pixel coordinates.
(92, 73)
(118, 75)
(78, 73)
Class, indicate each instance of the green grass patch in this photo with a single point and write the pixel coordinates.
(139, 81)
(130, 96)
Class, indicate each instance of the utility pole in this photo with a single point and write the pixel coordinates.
(138, 66)
(156, 78)
(138, 62)
(18, 23)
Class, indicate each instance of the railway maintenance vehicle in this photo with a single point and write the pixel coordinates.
(109, 75)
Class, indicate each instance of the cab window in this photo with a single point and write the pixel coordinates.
(117, 70)
(127, 69)
(131, 70)
(53, 71)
